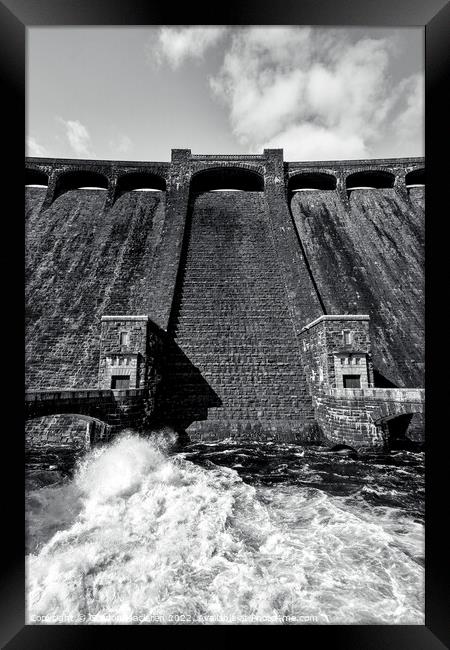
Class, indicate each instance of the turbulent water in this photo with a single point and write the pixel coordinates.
(142, 531)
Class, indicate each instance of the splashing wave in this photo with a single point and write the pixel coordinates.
(138, 535)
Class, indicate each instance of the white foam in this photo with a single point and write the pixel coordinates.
(142, 534)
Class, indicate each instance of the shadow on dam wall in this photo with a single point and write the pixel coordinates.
(184, 396)
(368, 257)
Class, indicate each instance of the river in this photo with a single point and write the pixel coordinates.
(144, 530)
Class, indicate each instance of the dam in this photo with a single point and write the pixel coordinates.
(225, 296)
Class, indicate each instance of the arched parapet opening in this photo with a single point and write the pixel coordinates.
(415, 178)
(36, 190)
(35, 178)
(369, 179)
(223, 162)
(226, 178)
(79, 180)
(140, 181)
(304, 181)
(414, 184)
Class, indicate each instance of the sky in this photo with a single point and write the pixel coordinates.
(134, 93)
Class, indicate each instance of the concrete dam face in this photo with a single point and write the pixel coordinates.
(229, 258)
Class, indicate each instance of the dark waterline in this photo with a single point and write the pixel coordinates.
(394, 480)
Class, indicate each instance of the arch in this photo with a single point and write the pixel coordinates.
(235, 164)
(71, 426)
(415, 177)
(403, 430)
(312, 181)
(70, 413)
(45, 403)
(140, 180)
(372, 179)
(78, 179)
(227, 178)
(36, 177)
(391, 410)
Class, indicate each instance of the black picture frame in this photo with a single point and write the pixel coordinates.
(15, 17)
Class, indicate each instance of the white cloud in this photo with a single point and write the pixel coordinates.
(405, 135)
(33, 148)
(121, 144)
(78, 138)
(316, 93)
(175, 45)
(311, 142)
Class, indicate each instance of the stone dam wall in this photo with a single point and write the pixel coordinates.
(232, 319)
(367, 257)
(231, 276)
(83, 261)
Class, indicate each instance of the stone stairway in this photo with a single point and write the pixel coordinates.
(232, 322)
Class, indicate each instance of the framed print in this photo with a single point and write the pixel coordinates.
(220, 415)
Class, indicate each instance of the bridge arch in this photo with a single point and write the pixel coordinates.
(415, 177)
(388, 410)
(312, 181)
(401, 423)
(35, 177)
(78, 179)
(227, 178)
(373, 179)
(66, 429)
(81, 406)
(140, 180)
(116, 409)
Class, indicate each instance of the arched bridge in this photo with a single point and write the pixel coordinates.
(388, 403)
(359, 417)
(114, 409)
